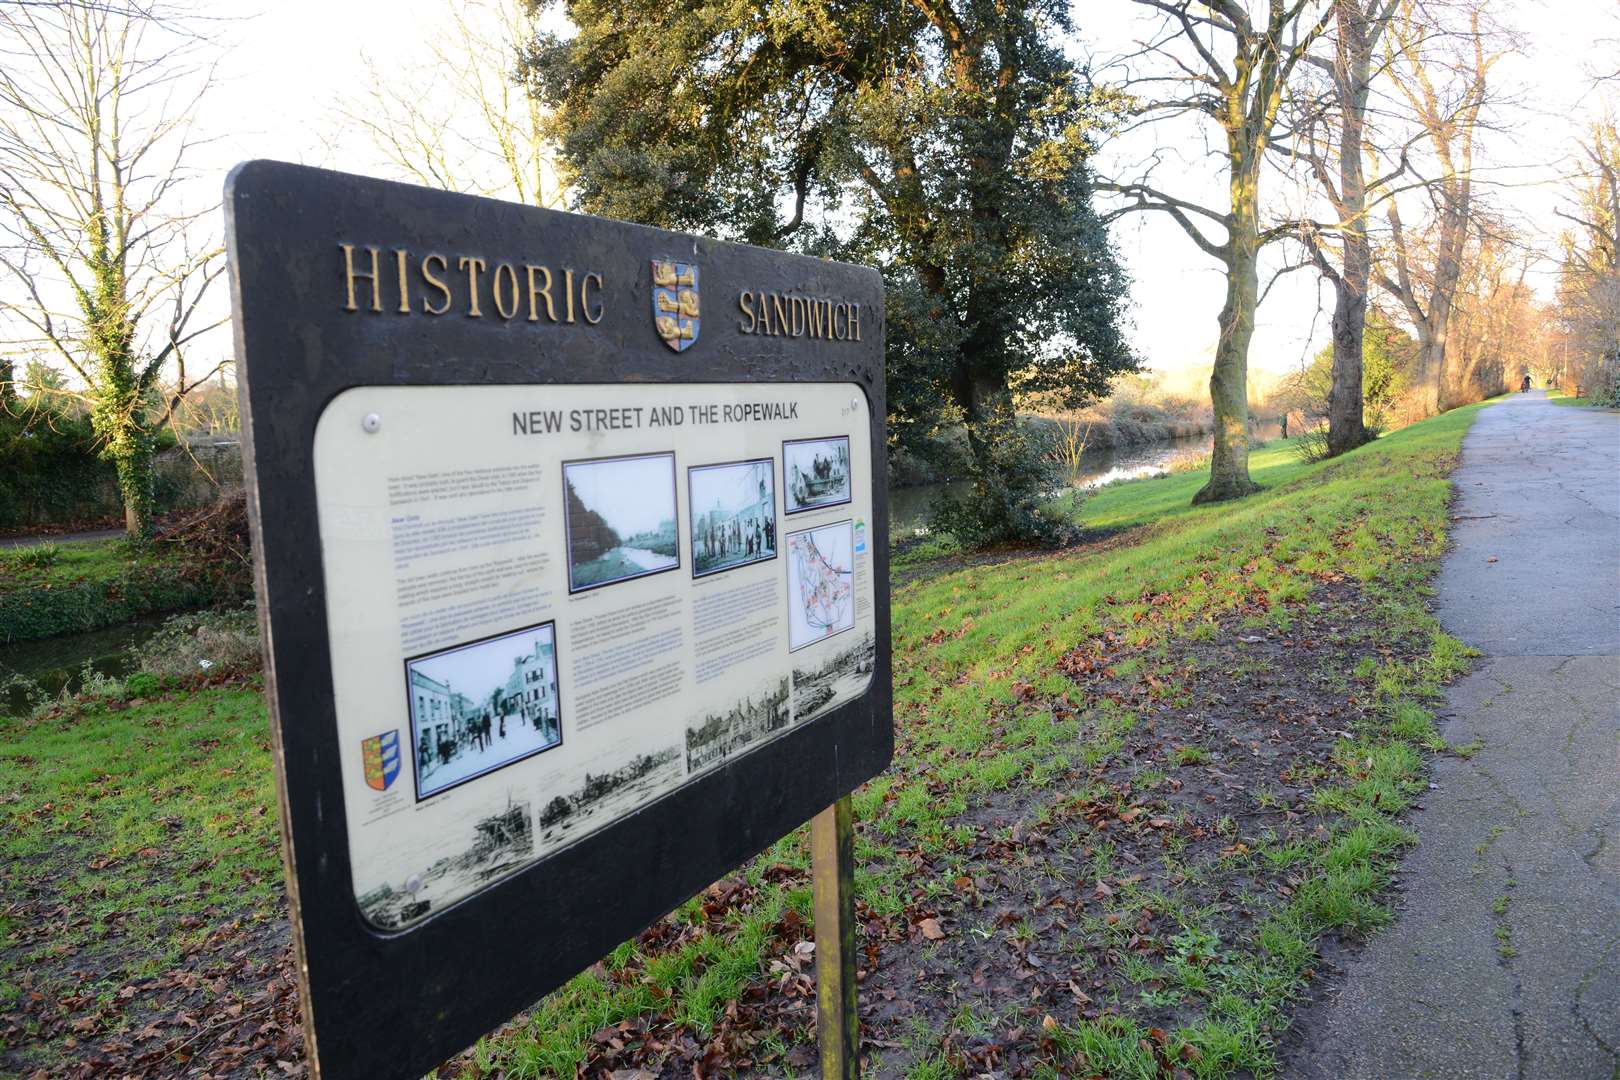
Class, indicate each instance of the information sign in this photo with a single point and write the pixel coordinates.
(574, 591)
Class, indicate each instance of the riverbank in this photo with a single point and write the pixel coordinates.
(50, 589)
(1137, 786)
(198, 558)
(945, 456)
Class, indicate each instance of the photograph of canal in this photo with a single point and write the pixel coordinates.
(620, 519)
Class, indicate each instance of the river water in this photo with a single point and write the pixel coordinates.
(908, 507)
(59, 663)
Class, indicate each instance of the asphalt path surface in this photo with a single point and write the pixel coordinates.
(1504, 959)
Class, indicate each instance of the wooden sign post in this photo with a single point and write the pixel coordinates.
(832, 868)
(571, 555)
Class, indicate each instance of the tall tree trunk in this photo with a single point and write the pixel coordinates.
(1346, 409)
(1229, 380)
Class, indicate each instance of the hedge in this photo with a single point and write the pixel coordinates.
(47, 609)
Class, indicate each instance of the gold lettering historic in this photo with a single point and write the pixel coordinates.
(480, 285)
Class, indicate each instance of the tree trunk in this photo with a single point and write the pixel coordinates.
(137, 485)
(1346, 426)
(1229, 380)
(1346, 409)
(1432, 363)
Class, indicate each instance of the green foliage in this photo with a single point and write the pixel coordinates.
(33, 557)
(1388, 370)
(1012, 480)
(945, 146)
(49, 461)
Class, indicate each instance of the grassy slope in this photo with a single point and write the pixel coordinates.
(187, 777)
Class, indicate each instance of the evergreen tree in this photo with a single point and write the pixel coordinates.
(943, 142)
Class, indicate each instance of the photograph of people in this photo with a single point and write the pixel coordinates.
(478, 707)
(620, 519)
(733, 510)
(815, 473)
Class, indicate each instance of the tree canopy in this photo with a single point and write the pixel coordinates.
(944, 143)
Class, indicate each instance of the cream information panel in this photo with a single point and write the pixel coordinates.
(551, 605)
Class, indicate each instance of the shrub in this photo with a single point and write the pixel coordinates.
(1312, 445)
(34, 557)
(202, 643)
(142, 684)
(1009, 503)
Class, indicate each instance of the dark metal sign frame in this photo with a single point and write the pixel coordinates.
(397, 1004)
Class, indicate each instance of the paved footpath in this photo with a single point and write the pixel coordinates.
(1504, 961)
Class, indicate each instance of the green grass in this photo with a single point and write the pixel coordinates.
(1558, 397)
(975, 655)
(145, 820)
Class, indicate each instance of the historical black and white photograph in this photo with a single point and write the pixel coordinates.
(841, 677)
(733, 507)
(721, 733)
(481, 706)
(815, 473)
(605, 793)
(821, 583)
(497, 844)
(620, 515)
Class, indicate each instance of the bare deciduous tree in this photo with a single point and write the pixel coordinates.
(1330, 140)
(1240, 84)
(1589, 279)
(1444, 78)
(103, 269)
(461, 120)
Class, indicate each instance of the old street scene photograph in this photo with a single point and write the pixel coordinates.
(477, 707)
(1238, 534)
(718, 733)
(621, 519)
(733, 514)
(815, 473)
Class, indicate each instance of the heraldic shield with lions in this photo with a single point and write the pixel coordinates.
(675, 303)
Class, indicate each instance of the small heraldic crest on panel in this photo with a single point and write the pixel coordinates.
(676, 310)
(381, 756)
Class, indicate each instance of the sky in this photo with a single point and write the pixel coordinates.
(477, 671)
(286, 66)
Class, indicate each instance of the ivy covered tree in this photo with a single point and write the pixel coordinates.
(943, 141)
(99, 267)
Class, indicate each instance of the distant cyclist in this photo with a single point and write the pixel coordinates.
(1524, 387)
